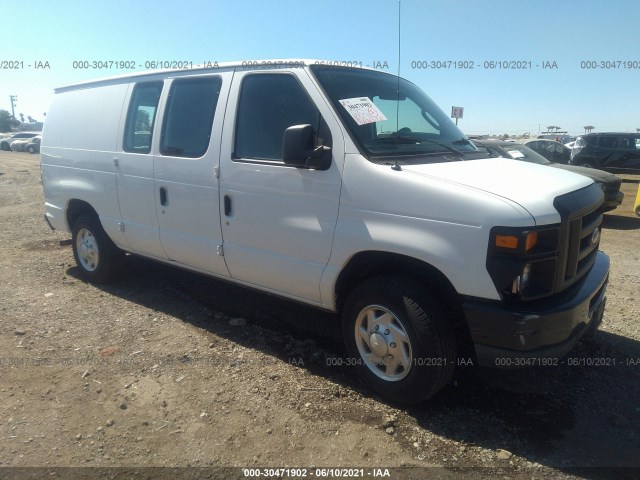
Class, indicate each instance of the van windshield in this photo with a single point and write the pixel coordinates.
(386, 121)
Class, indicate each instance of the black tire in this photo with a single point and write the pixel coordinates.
(96, 255)
(31, 150)
(431, 344)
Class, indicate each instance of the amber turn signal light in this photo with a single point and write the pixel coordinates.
(507, 241)
(532, 240)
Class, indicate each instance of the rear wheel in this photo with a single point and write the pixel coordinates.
(399, 339)
(96, 255)
(31, 150)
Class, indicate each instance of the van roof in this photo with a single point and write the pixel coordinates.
(593, 134)
(261, 65)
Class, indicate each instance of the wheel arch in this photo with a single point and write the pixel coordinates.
(77, 207)
(368, 264)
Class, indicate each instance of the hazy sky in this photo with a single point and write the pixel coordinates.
(533, 33)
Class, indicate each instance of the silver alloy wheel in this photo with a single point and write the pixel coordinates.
(87, 248)
(383, 343)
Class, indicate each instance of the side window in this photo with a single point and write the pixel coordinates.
(609, 142)
(191, 106)
(629, 143)
(268, 105)
(141, 117)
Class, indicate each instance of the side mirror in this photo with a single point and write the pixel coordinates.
(298, 149)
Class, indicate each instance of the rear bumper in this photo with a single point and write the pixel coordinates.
(513, 335)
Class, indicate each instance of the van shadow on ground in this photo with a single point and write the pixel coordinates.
(566, 416)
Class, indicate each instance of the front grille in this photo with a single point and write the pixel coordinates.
(581, 213)
(583, 244)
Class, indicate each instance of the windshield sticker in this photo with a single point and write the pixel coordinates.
(363, 110)
(516, 154)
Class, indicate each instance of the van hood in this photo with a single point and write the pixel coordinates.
(533, 187)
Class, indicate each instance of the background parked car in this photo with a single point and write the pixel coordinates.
(19, 144)
(607, 151)
(5, 143)
(553, 151)
(558, 137)
(609, 183)
(33, 146)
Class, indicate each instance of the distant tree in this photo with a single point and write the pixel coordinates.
(5, 121)
(30, 118)
(143, 121)
(21, 117)
(505, 136)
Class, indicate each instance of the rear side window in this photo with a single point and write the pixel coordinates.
(269, 104)
(141, 116)
(191, 106)
(630, 143)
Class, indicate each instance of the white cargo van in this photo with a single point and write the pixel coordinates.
(344, 188)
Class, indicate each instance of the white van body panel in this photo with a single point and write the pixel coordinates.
(192, 191)
(424, 217)
(281, 227)
(79, 163)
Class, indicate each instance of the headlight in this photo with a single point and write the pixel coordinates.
(522, 262)
(521, 282)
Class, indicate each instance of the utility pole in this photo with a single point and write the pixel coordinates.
(13, 98)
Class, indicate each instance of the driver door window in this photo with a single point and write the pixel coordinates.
(268, 105)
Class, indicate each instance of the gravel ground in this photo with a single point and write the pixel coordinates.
(166, 368)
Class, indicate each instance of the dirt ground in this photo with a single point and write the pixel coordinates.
(166, 368)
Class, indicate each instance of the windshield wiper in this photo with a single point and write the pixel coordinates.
(451, 149)
(407, 139)
(404, 139)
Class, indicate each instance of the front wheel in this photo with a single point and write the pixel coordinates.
(399, 339)
(97, 256)
(31, 150)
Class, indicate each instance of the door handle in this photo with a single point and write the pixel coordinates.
(163, 196)
(227, 205)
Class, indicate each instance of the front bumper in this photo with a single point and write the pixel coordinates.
(510, 335)
(612, 201)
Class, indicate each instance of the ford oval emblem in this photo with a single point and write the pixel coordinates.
(595, 236)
